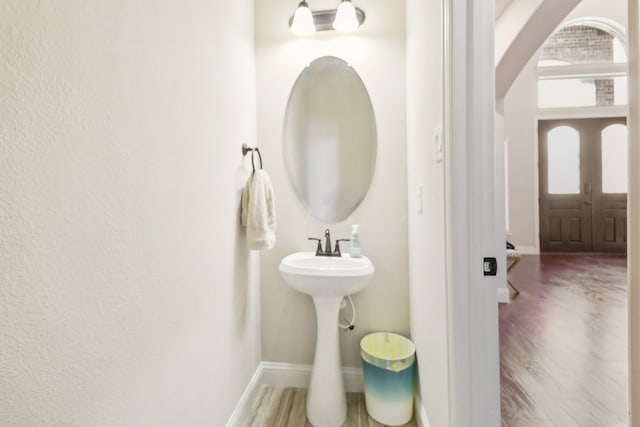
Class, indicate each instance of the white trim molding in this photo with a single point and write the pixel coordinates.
(420, 413)
(582, 112)
(296, 375)
(610, 69)
(472, 312)
(601, 23)
(503, 295)
(245, 407)
(284, 375)
(529, 250)
(633, 230)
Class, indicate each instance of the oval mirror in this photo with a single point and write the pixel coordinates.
(330, 139)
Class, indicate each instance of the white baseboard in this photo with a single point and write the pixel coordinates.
(503, 295)
(420, 413)
(528, 250)
(295, 375)
(243, 410)
(284, 375)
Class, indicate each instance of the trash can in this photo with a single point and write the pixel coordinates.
(388, 368)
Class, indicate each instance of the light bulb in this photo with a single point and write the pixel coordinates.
(346, 19)
(302, 23)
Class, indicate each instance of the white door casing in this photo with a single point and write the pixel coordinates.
(633, 206)
(472, 229)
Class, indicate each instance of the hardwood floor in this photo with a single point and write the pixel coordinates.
(285, 407)
(563, 342)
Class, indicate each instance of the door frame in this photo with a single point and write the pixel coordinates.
(469, 35)
(633, 207)
(471, 229)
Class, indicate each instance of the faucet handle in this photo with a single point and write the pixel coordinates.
(319, 248)
(337, 250)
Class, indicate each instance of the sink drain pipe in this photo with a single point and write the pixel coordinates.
(348, 326)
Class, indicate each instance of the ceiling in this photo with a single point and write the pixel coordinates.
(501, 5)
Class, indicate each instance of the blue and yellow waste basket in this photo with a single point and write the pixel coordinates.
(388, 367)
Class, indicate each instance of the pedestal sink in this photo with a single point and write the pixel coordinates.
(327, 280)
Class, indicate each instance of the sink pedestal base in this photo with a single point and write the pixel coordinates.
(326, 398)
(326, 280)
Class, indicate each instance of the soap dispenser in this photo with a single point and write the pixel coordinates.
(354, 249)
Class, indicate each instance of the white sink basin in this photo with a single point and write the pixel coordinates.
(326, 276)
(328, 280)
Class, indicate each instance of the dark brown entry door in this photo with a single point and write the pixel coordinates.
(583, 185)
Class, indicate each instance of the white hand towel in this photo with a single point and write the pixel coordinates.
(244, 204)
(260, 213)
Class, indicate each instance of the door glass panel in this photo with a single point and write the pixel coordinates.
(563, 160)
(614, 159)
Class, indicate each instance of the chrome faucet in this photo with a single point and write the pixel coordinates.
(327, 245)
(327, 241)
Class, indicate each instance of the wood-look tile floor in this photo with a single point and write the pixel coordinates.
(563, 342)
(285, 407)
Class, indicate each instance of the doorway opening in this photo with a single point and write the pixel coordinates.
(583, 150)
(580, 177)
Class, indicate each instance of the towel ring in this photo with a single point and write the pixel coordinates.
(246, 149)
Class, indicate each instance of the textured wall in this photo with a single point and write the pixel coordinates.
(127, 297)
(376, 51)
(427, 265)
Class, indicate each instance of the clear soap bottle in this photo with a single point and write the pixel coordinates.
(354, 248)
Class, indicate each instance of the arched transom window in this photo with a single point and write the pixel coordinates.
(583, 64)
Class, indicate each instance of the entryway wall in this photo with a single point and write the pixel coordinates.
(520, 130)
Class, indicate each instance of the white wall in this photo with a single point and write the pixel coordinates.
(127, 297)
(520, 126)
(520, 112)
(376, 51)
(426, 229)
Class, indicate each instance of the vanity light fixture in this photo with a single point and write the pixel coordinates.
(301, 23)
(306, 22)
(346, 18)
